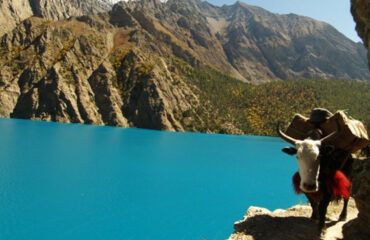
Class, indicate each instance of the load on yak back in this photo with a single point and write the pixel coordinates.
(325, 145)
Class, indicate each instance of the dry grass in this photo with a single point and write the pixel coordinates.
(121, 39)
(77, 28)
(173, 38)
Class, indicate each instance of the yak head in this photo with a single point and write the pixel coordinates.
(308, 152)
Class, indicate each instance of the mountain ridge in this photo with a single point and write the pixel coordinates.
(15, 11)
(154, 68)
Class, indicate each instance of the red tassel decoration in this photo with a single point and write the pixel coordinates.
(338, 184)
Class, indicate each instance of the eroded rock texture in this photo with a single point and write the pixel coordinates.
(290, 224)
(12, 12)
(361, 13)
(70, 71)
(136, 64)
(359, 228)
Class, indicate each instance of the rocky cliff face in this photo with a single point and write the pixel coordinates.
(15, 11)
(126, 67)
(56, 9)
(86, 70)
(359, 228)
(291, 224)
(360, 11)
(245, 41)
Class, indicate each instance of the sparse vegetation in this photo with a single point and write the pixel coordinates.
(16, 51)
(144, 70)
(66, 47)
(120, 63)
(223, 100)
(117, 58)
(255, 109)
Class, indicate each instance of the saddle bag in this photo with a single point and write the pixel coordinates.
(299, 127)
(353, 135)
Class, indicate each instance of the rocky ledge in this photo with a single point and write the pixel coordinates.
(291, 224)
(358, 228)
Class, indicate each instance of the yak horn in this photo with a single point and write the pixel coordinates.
(330, 137)
(285, 137)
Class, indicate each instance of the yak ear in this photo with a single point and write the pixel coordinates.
(290, 150)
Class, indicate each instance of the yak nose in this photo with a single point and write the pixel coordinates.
(309, 187)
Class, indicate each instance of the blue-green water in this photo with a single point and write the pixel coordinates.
(70, 181)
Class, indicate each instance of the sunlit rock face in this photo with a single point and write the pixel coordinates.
(56, 9)
(12, 12)
(360, 10)
(123, 64)
(359, 228)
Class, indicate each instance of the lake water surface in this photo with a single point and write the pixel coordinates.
(76, 182)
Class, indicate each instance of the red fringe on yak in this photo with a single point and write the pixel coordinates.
(337, 184)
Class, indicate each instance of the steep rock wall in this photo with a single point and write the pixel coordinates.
(12, 12)
(359, 228)
(56, 9)
(87, 71)
(361, 14)
(143, 64)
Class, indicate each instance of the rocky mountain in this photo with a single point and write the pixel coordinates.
(12, 12)
(255, 45)
(145, 63)
(56, 9)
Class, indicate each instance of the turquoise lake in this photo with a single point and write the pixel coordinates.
(76, 182)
